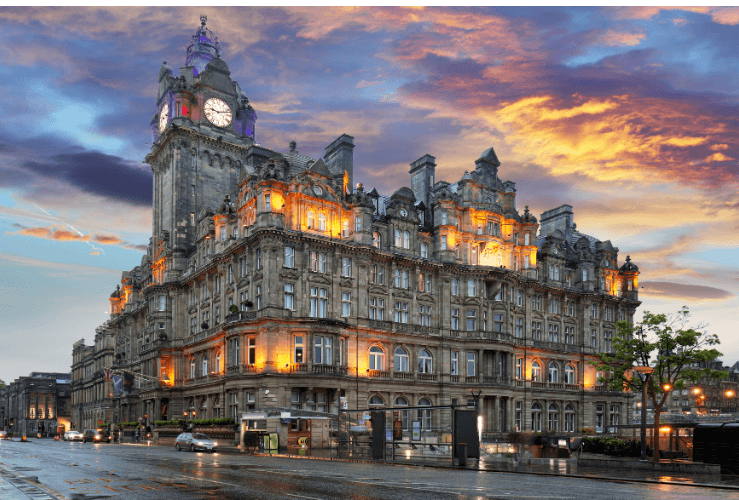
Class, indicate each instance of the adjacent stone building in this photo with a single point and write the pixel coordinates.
(38, 404)
(271, 281)
(92, 393)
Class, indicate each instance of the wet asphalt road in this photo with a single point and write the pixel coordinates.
(95, 471)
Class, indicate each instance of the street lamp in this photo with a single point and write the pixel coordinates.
(646, 371)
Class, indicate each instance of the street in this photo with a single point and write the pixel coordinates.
(92, 471)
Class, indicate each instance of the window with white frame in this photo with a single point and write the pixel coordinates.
(377, 308)
(401, 360)
(397, 278)
(498, 323)
(424, 362)
(376, 358)
(377, 274)
(298, 349)
(321, 221)
(535, 415)
(443, 242)
(536, 302)
(289, 296)
(553, 417)
(471, 288)
(535, 371)
(585, 275)
(569, 374)
(609, 313)
(598, 418)
(322, 350)
(406, 240)
(204, 366)
(455, 319)
(311, 219)
(259, 297)
(401, 312)
(569, 418)
(471, 320)
(455, 363)
(346, 267)
(554, 305)
(424, 315)
(553, 372)
(244, 299)
(289, 257)
(346, 304)
(267, 203)
(162, 303)
(593, 338)
(526, 261)
(357, 223)
(471, 361)
(406, 280)
(519, 368)
(318, 302)
(455, 286)
(398, 238)
(376, 239)
(594, 311)
(424, 251)
(345, 228)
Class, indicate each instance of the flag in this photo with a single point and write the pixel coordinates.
(107, 372)
(117, 384)
(127, 383)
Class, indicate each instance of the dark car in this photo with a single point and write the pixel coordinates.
(94, 436)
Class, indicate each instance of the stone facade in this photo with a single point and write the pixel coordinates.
(271, 281)
(92, 394)
(38, 404)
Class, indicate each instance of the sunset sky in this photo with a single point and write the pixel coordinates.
(630, 115)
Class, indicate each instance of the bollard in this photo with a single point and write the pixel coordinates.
(462, 454)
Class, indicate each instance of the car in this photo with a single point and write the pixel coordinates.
(72, 436)
(94, 436)
(4, 435)
(194, 441)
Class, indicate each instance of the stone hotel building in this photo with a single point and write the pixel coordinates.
(272, 281)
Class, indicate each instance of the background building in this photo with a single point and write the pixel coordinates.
(270, 281)
(39, 404)
(92, 394)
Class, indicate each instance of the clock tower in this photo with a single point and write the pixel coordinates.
(203, 136)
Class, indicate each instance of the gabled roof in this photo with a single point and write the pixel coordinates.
(320, 168)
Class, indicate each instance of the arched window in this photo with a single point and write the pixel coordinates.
(569, 418)
(536, 417)
(398, 238)
(424, 251)
(217, 367)
(376, 401)
(551, 272)
(377, 358)
(321, 221)
(556, 273)
(424, 362)
(424, 415)
(535, 371)
(376, 239)
(401, 360)
(192, 369)
(205, 365)
(311, 219)
(406, 239)
(553, 372)
(553, 417)
(569, 374)
(404, 414)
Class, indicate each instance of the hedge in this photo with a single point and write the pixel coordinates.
(613, 446)
(201, 421)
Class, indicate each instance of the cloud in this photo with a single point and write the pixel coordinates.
(670, 290)
(107, 239)
(60, 233)
(94, 252)
(612, 38)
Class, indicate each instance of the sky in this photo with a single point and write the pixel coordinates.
(629, 114)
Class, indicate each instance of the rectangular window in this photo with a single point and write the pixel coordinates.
(289, 296)
(424, 315)
(526, 239)
(244, 298)
(218, 317)
(471, 320)
(346, 304)
(401, 312)
(443, 241)
(298, 349)
(455, 319)
(607, 337)
(192, 190)
(289, 257)
(318, 302)
(252, 354)
(420, 282)
(318, 350)
(569, 335)
(397, 278)
(526, 262)
(259, 258)
(377, 309)
(314, 262)
(217, 284)
(498, 323)
(519, 368)
(230, 274)
(553, 333)
(519, 416)
(346, 267)
(519, 297)
(162, 302)
(243, 266)
(322, 262)
(267, 203)
(471, 364)
(406, 283)
(614, 420)
(536, 330)
(455, 286)
(259, 297)
(471, 288)
(593, 338)
(357, 223)
(455, 363)
(594, 311)
(192, 217)
(345, 228)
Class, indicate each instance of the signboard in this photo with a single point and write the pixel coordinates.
(416, 434)
(343, 402)
(100, 422)
(284, 414)
(397, 430)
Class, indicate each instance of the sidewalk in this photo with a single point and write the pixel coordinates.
(542, 467)
(14, 486)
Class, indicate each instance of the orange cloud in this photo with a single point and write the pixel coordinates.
(94, 252)
(614, 38)
(719, 147)
(668, 290)
(107, 240)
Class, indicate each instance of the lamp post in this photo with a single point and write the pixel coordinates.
(645, 372)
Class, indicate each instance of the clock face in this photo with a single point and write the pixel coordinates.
(403, 212)
(163, 117)
(317, 190)
(217, 112)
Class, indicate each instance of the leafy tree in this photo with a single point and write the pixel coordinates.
(668, 344)
(2, 383)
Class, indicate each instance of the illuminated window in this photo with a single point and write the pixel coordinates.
(298, 349)
(376, 239)
(535, 371)
(321, 221)
(252, 347)
(217, 367)
(192, 367)
(401, 360)
(311, 219)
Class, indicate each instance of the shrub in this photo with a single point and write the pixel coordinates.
(587, 430)
(612, 446)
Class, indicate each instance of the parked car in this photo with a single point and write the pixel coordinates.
(194, 441)
(4, 435)
(94, 436)
(72, 436)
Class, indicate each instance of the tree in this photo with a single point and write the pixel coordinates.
(677, 352)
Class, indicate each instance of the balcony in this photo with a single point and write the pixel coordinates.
(329, 369)
(427, 377)
(403, 327)
(403, 376)
(240, 316)
(498, 381)
(378, 374)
